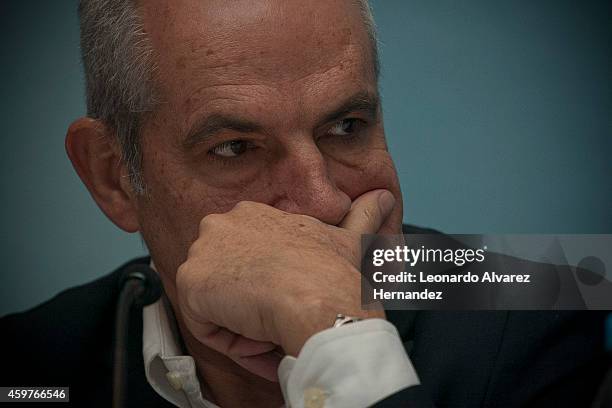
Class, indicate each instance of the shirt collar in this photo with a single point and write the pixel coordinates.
(170, 371)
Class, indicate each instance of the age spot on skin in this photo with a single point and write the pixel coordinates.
(180, 63)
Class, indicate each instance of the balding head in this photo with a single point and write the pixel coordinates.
(120, 62)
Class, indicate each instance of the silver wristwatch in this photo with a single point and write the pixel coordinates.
(341, 320)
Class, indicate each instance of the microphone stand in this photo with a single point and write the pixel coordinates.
(139, 286)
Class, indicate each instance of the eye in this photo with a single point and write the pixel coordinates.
(232, 148)
(345, 127)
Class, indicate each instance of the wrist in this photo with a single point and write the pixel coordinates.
(296, 338)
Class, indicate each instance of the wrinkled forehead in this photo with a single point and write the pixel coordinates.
(275, 41)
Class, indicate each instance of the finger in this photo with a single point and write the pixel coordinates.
(258, 357)
(229, 343)
(264, 365)
(369, 211)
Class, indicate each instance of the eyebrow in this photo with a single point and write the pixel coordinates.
(365, 102)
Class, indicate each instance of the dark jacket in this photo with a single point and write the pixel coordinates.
(463, 359)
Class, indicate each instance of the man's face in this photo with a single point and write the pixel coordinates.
(267, 101)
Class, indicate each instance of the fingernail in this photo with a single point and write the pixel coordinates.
(386, 201)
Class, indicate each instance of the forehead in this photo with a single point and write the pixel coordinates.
(209, 48)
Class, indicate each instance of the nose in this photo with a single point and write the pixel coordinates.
(305, 186)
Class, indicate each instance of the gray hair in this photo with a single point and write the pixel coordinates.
(119, 67)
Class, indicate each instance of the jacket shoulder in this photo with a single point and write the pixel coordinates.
(55, 336)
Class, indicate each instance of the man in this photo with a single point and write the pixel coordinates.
(244, 142)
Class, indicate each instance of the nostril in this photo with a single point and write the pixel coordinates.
(328, 209)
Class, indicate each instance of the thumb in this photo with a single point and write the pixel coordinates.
(369, 211)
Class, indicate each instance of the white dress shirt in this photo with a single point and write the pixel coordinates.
(351, 366)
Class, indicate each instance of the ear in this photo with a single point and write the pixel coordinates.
(96, 157)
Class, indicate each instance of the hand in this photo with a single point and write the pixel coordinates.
(258, 278)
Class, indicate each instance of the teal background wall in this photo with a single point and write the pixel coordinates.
(498, 115)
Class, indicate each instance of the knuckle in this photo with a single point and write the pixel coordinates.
(245, 205)
(370, 214)
(182, 277)
(241, 205)
(193, 250)
(209, 220)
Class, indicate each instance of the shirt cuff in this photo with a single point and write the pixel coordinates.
(351, 366)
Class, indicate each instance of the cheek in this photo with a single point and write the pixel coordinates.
(170, 217)
(374, 172)
(177, 202)
(170, 212)
(369, 173)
